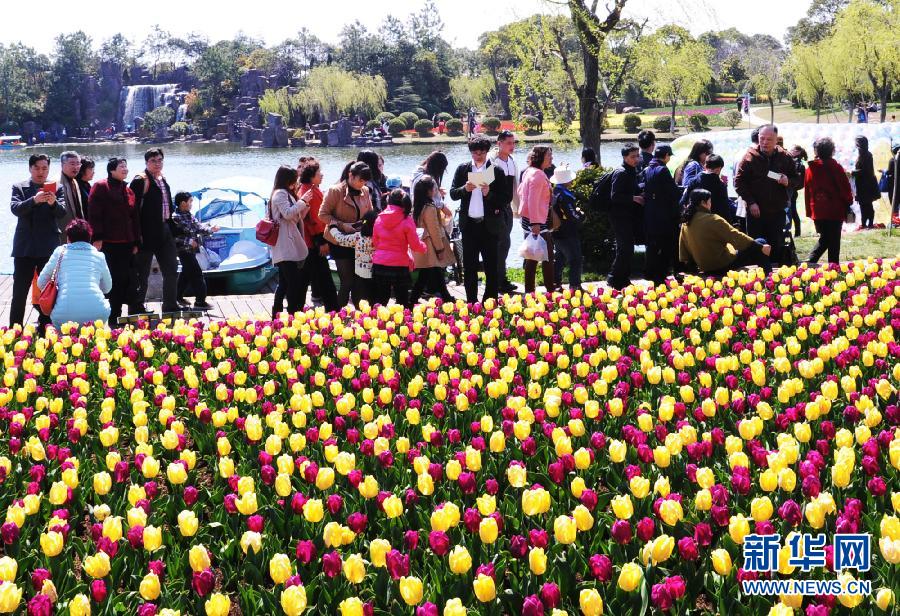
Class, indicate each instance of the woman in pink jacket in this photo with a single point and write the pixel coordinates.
(394, 236)
(534, 210)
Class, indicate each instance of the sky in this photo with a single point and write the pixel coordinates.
(276, 20)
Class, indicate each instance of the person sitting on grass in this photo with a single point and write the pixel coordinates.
(713, 245)
(710, 179)
(394, 236)
(189, 235)
(361, 242)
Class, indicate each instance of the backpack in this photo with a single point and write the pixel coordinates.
(601, 195)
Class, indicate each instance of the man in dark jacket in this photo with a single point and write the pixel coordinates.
(661, 215)
(38, 213)
(481, 218)
(154, 201)
(647, 143)
(75, 206)
(763, 180)
(624, 194)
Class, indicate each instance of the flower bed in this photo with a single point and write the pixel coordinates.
(573, 454)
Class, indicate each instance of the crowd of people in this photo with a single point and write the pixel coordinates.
(688, 221)
(112, 228)
(390, 242)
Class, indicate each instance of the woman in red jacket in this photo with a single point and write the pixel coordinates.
(117, 231)
(828, 197)
(316, 266)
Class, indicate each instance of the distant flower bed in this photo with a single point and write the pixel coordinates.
(688, 112)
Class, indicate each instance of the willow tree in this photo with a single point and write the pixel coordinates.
(865, 38)
(331, 91)
(807, 67)
(674, 66)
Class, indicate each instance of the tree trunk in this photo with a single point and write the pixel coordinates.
(588, 107)
(771, 110)
(883, 101)
(672, 121)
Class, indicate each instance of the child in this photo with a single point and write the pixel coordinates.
(567, 238)
(394, 236)
(189, 235)
(710, 180)
(362, 242)
(439, 256)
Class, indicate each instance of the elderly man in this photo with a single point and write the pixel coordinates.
(764, 178)
(75, 208)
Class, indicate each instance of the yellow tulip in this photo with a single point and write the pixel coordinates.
(97, 566)
(460, 560)
(10, 597)
(411, 590)
(352, 606)
(537, 561)
(51, 544)
(590, 602)
(630, 577)
(564, 529)
(217, 605)
(150, 587)
(484, 588)
(721, 560)
(198, 557)
(454, 607)
(188, 523)
(80, 605)
(8, 569)
(280, 568)
(488, 530)
(293, 600)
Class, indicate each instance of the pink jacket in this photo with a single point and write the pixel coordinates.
(534, 196)
(394, 236)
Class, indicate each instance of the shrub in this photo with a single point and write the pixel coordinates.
(661, 123)
(396, 127)
(420, 112)
(409, 118)
(491, 125)
(179, 129)
(596, 237)
(298, 133)
(530, 122)
(372, 125)
(698, 122)
(454, 126)
(631, 122)
(423, 127)
(385, 116)
(446, 117)
(730, 118)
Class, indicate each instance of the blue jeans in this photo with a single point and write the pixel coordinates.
(568, 252)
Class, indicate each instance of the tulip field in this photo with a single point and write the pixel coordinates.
(575, 453)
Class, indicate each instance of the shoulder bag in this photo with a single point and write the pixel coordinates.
(47, 298)
(267, 228)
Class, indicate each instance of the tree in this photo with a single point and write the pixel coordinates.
(469, 92)
(765, 67)
(117, 49)
(285, 104)
(807, 65)
(865, 42)
(674, 66)
(592, 32)
(158, 119)
(219, 70)
(23, 76)
(155, 46)
(73, 61)
(330, 90)
(817, 24)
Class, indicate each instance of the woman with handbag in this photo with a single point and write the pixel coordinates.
(78, 273)
(289, 250)
(828, 197)
(431, 264)
(344, 206)
(537, 216)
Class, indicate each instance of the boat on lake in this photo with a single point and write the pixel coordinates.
(10, 142)
(233, 253)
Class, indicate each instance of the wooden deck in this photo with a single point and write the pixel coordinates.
(224, 306)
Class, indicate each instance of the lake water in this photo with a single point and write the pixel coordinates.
(190, 166)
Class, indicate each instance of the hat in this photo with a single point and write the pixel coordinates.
(562, 175)
(394, 182)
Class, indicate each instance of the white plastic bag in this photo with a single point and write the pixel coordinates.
(534, 248)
